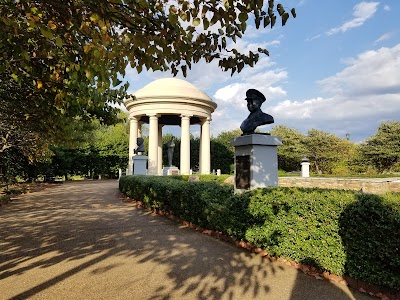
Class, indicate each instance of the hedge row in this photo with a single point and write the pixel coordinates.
(342, 232)
(218, 179)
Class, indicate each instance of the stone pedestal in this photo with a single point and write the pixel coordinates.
(140, 164)
(170, 171)
(256, 161)
(305, 169)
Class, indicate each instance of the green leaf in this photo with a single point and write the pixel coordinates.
(196, 22)
(243, 17)
(285, 17)
(46, 33)
(257, 21)
(173, 10)
(59, 42)
(14, 76)
(183, 16)
(267, 21)
(280, 9)
(206, 23)
(184, 70)
(273, 21)
(94, 17)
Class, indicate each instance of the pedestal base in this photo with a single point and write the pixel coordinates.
(140, 165)
(170, 171)
(256, 161)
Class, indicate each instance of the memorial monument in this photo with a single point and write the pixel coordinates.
(256, 156)
(170, 169)
(170, 102)
(139, 160)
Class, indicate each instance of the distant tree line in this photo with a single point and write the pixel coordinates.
(329, 154)
(103, 149)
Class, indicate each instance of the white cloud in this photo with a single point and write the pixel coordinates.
(371, 73)
(230, 98)
(387, 8)
(361, 13)
(363, 95)
(384, 37)
(313, 38)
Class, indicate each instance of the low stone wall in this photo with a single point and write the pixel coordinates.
(366, 185)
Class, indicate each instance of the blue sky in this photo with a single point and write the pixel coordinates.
(336, 68)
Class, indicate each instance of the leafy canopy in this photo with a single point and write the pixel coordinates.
(69, 47)
(382, 150)
(61, 61)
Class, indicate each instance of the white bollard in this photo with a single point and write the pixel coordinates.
(305, 167)
(218, 172)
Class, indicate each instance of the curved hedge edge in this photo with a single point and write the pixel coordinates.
(361, 286)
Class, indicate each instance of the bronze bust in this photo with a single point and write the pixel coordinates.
(256, 117)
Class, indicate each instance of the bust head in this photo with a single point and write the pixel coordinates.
(256, 117)
(254, 100)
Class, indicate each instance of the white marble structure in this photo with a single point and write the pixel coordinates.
(305, 167)
(256, 161)
(140, 165)
(170, 101)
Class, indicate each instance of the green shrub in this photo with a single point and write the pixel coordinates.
(343, 232)
(205, 178)
(219, 179)
(206, 204)
(370, 231)
(294, 222)
(4, 199)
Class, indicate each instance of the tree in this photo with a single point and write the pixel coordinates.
(66, 48)
(324, 150)
(382, 150)
(292, 149)
(28, 125)
(222, 153)
(66, 58)
(347, 161)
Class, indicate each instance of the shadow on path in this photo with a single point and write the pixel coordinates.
(81, 241)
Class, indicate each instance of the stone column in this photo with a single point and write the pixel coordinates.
(205, 147)
(160, 145)
(153, 145)
(185, 145)
(133, 134)
(200, 149)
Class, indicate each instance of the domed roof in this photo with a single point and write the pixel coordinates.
(171, 88)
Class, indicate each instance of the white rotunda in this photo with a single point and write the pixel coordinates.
(170, 101)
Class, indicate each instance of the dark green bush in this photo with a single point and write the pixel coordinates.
(4, 199)
(206, 178)
(295, 222)
(370, 231)
(206, 204)
(218, 179)
(343, 232)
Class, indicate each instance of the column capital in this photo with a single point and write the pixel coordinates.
(152, 115)
(185, 116)
(204, 120)
(133, 118)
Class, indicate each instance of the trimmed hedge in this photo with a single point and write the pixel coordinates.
(206, 204)
(342, 232)
(218, 179)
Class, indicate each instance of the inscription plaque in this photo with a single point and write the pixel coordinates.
(242, 177)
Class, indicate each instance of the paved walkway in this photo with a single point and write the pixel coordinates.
(81, 241)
